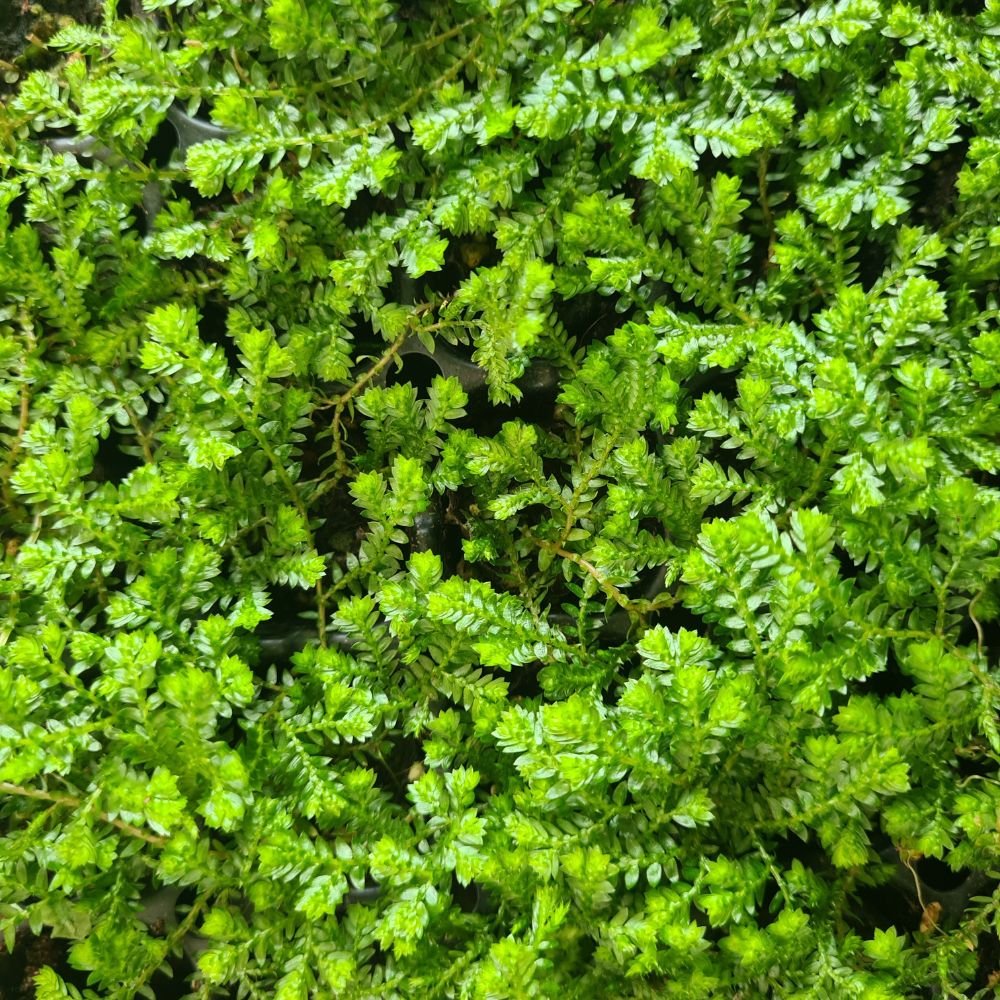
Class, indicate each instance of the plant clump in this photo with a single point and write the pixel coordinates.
(499, 500)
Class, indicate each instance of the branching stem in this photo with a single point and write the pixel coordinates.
(72, 802)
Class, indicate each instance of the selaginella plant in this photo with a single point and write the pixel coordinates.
(651, 658)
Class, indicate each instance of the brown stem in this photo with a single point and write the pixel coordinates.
(72, 802)
(341, 403)
(632, 607)
(429, 43)
(147, 451)
(240, 71)
(975, 622)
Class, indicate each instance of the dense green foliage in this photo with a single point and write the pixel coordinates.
(703, 646)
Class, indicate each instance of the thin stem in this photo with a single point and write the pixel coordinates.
(816, 483)
(775, 874)
(265, 446)
(975, 622)
(341, 403)
(603, 582)
(72, 802)
(175, 937)
(633, 608)
(444, 36)
(765, 208)
(398, 112)
(144, 438)
(929, 912)
(592, 472)
(240, 71)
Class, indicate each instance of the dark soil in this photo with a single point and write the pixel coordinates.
(26, 26)
(31, 953)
